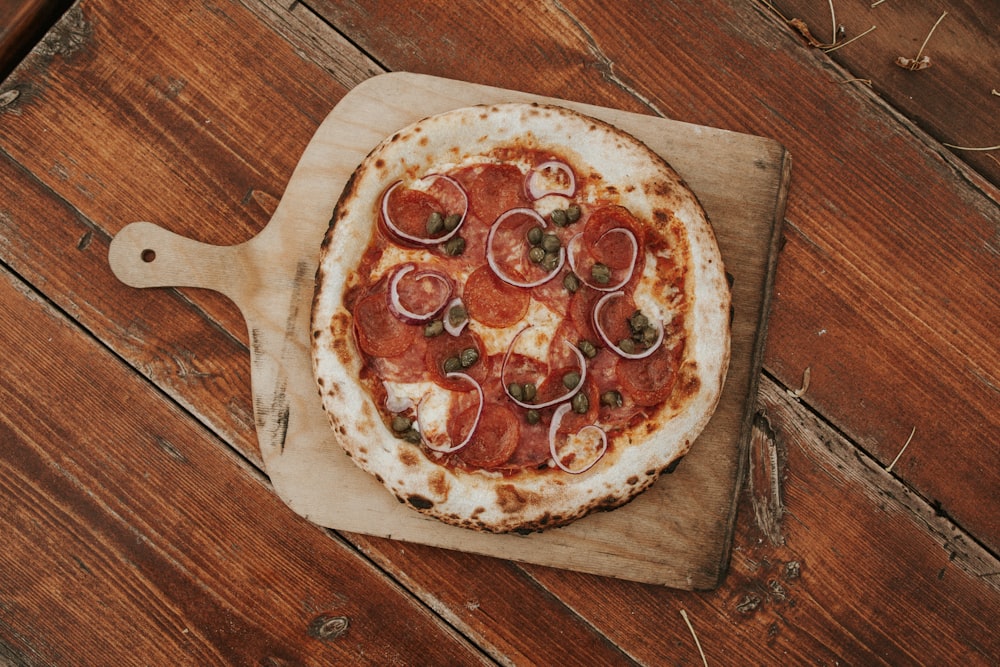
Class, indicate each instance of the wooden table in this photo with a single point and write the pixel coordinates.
(137, 522)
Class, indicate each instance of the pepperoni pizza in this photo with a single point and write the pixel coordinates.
(521, 316)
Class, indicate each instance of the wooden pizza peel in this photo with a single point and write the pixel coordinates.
(678, 533)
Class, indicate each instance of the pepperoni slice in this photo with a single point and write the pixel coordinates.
(649, 381)
(495, 439)
(493, 302)
(493, 189)
(410, 209)
(445, 346)
(581, 313)
(607, 218)
(379, 333)
(614, 318)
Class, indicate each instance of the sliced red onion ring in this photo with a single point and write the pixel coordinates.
(536, 182)
(424, 240)
(405, 314)
(475, 422)
(565, 397)
(452, 328)
(572, 249)
(491, 253)
(599, 306)
(557, 418)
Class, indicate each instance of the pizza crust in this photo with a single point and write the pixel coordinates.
(530, 500)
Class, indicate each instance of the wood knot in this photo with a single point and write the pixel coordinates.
(328, 627)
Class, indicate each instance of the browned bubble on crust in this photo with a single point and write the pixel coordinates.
(439, 484)
(687, 384)
(510, 499)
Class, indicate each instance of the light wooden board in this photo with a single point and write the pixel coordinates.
(678, 533)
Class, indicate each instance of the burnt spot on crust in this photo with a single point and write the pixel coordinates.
(659, 188)
(419, 502)
(633, 480)
(673, 465)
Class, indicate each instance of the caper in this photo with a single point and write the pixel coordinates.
(580, 403)
(536, 254)
(587, 348)
(648, 336)
(451, 221)
(435, 224)
(600, 273)
(401, 423)
(550, 243)
(550, 261)
(469, 356)
(559, 218)
(611, 398)
(572, 213)
(457, 314)
(516, 391)
(433, 328)
(571, 379)
(571, 282)
(529, 390)
(411, 436)
(535, 235)
(452, 365)
(627, 345)
(532, 417)
(454, 246)
(637, 322)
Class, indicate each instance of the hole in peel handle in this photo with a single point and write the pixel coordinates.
(143, 254)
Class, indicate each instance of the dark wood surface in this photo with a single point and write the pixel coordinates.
(22, 24)
(137, 522)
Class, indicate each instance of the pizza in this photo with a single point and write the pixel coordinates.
(521, 316)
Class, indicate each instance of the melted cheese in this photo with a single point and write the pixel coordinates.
(533, 343)
(657, 306)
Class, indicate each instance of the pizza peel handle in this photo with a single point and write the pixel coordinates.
(146, 255)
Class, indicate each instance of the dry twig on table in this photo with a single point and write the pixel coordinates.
(806, 374)
(800, 26)
(920, 61)
(905, 445)
(697, 643)
(973, 148)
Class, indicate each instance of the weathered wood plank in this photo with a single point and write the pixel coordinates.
(897, 234)
(115, 546)
(56, 232)
(956, 98)
(823, 206)
(862, 571)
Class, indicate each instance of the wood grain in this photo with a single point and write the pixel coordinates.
(112, 509)
(22, 23)
(880, 289)
(955, 100)
(868, 560)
